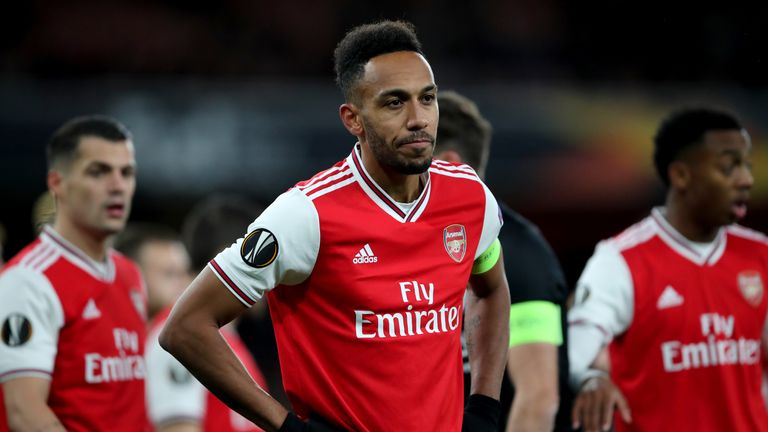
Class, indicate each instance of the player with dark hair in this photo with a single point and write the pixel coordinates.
(72, 309)
(679, 298)
(365, 267)
(537, 364)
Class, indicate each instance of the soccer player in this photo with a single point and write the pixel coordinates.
(537, 364)
(72, 309)
(365, 267)
(176, 402)
(679, 297)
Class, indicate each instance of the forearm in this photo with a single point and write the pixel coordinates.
(533, 370)
(26, 411)
(487, 333)
(533, 413)
(205, 353)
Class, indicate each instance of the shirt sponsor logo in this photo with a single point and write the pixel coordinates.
(455, 241)
(365, 256)
(718, 347)
(16, 331)
(259, 248)
(751, 286)
(128, 365)
(427, 319)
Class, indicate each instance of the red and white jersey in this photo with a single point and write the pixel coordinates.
(685, 323)
(367, 298)
(80, 324)
(173, 394)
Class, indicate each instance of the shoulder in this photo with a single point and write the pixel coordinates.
(748, 234)
(324, 182)
(453, 170)
(632, 237)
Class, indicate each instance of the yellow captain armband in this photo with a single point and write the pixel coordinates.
(535, 322)
(488, 259)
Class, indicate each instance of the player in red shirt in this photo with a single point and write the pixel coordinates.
(72, 309)
(365, 267)
(176, 401)
(679, 297)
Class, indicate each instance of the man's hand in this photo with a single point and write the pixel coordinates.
(481, 414)
(294, 424)
(594, 405)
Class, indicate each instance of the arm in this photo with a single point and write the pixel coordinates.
(192, 335)
(26, 406)
(603, 308)
(486, 325)
(533, 370)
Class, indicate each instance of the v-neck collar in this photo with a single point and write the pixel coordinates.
(102, 271)
(381, 198)
(683, 246)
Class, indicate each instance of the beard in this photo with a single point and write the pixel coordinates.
(389, 157)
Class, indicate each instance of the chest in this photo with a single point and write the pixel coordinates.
(674, 296)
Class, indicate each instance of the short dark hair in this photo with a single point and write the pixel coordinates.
(463, 129)
(137, 234)
(684, 128)
(215, 223)
(62, 147)
(367, 41)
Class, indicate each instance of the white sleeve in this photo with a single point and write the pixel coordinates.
(491, 223)
(31, 316)
(603, 307)
(173, 394)
(280, 248)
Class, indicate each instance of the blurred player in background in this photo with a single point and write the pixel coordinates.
(365, 267)
(537, 364)
(72, 309)
(680, 296)
(176, 401)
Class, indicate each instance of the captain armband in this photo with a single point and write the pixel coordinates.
(535, 322)
(488, 259)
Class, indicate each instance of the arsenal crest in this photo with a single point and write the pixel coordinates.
(139, 302)
(455, 241)
(751, 286)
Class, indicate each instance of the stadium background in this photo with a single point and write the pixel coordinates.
(238, 96)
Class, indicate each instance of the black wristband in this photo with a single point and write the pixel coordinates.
(293, 424)
(481, 414)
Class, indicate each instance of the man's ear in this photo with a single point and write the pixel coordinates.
(54, 181)
(350, 116)
(679, 174)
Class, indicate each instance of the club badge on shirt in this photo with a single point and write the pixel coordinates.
(751, 286)
(455, 241)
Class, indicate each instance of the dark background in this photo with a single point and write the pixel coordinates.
(238, 96)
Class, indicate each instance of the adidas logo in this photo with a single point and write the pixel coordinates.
(91, 311)
(669, 298)
(365, 256)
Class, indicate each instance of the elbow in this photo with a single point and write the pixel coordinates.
(169, 337)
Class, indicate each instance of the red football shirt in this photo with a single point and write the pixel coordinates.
(80, 324)
(687, 348)
(367, 304)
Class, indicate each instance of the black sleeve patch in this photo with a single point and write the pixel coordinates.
(17, 330)
(259, 248)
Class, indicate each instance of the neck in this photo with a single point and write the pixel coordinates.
(93, 246)
(686, 222)
(402, 188)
